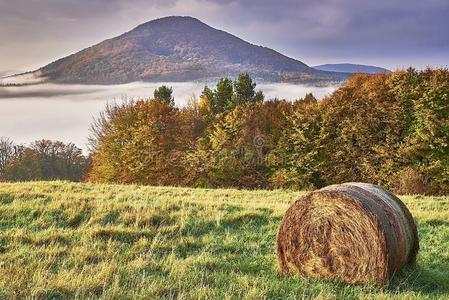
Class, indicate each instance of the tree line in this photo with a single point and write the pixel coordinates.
(41, 160)
(388, 129)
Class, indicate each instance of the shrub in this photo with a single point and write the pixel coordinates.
(409, 182)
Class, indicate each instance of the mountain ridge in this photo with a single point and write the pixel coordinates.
(351, 68)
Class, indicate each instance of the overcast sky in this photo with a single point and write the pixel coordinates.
(387, 33)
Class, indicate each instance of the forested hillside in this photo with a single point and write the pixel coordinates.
(179, 49)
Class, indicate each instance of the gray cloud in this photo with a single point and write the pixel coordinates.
(389, 33)
(394, 32)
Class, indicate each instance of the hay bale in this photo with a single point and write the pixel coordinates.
(352, 232)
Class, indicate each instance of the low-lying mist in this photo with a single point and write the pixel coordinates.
(65, 112)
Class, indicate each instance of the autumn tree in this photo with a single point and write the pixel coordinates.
(138, 142)
(297, 157)
(205, 105)
(235, 149)
(426, 146)
(6, 152)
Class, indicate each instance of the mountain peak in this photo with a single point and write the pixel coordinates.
(171, 20)
(171, 24)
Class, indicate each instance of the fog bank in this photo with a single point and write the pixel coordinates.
(65, 112)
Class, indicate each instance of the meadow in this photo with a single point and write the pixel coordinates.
(64, 240)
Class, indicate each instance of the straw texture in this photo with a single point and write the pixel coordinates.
(352, 232)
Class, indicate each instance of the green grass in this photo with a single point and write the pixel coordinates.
(67, 240)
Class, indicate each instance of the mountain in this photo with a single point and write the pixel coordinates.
(178, 49)
(351, 68)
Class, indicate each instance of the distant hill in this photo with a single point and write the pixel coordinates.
(178, 49)
(351, 68)
(4, 73)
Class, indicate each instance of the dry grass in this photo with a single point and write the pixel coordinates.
(67, 240)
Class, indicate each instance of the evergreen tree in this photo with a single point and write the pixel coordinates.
(165, 94)
(244, 89)
(222, 99)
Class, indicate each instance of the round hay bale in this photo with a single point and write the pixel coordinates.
(352, 232)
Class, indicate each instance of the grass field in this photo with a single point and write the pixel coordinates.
(67, 240)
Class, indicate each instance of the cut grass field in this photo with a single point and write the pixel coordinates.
(69, 240)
